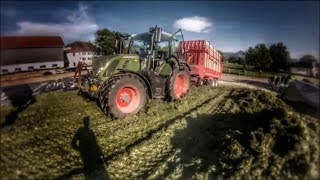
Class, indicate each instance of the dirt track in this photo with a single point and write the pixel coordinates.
(6, 82)
(246, 82)
(210, 133)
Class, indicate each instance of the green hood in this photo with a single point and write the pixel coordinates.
(100, 62)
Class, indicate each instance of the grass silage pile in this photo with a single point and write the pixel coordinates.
(209, 133)
(265, 138)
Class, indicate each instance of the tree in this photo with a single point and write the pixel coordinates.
(259, 57)
(222, 57)
(241, 61)
(233, 59)
(280, 56)
(105, 40)
(307, 60)
(250, 56)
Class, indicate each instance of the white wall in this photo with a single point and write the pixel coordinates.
(74, 58)
(301, 71)
(24, 67)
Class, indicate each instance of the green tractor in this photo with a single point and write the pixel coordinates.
(144, 66)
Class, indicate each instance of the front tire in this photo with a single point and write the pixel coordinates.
(178, 84)
(122, 95)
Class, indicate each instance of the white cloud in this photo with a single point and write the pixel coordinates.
(194, 24)
(79, 26)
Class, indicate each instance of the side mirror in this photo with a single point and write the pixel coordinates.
(117, 43)
(157, 34)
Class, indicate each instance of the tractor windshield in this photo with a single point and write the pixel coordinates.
(141, 43)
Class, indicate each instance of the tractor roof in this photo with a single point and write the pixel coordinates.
(146, 36)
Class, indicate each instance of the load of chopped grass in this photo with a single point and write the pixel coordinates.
(209, 133)
(262, 137)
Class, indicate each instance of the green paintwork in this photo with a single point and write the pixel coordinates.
(118, 62)
(114, 63)
(165, 69)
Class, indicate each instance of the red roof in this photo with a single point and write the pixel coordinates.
(80, 47)
(16, 42)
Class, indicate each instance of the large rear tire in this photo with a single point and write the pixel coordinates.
(122, 95)
(178, 84)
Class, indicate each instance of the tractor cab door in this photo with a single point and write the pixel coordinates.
(161, 52)
(168, 49)
(176, 50)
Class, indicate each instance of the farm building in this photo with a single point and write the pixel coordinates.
(80, 51)
(311, 70)
(26, 53)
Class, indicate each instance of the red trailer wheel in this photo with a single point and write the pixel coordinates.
(128, 99)
(199, 82)
(215, 83)
(123, 94)
(180, 85)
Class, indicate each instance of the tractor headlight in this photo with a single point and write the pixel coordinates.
(99, 70)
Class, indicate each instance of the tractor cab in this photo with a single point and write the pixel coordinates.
(152, 47)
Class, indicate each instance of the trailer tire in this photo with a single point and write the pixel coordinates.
(178, 84)
(122, 95)
(199, 82)
(212, 83)
(215, 83)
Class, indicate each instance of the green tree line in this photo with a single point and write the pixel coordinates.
(273, 58)
(105, 40)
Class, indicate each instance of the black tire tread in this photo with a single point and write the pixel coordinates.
(106, 90)
(169, 85)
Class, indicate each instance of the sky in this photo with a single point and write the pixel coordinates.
(229, 25)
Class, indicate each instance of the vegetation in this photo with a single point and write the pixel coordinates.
(280, 56)
(259, 57)
(105, 40)
(222, 57)
(235, 68)
(275, 58)
(306, 61)
(210, 133)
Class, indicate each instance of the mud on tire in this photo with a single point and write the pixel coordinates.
(178, 84)
(122, 94)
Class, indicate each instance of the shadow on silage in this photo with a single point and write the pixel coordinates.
(223, 141)
(92, 157)
(304, 108)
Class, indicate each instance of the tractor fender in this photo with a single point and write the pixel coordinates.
(145, 80)
(172, 65)
(177, 63)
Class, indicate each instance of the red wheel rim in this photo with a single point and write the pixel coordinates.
(180, 85)
(128, 99)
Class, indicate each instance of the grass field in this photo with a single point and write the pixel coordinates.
(210, 133)
(233, 68)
